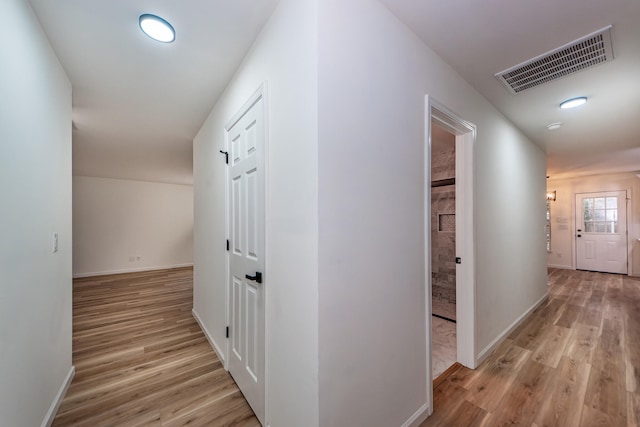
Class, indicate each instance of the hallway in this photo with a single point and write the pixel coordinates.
(574, 362)
(141, 358)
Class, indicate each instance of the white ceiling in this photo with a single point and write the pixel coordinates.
(138, 103)
(481, 38)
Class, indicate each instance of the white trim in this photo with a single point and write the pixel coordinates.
(427, 248)
(132, 270)
(55, 405)
(630, 239)
(488, 349)
(227, 256)
(466, 337)
(562, 267)
(267, 239)
(209, 337)
(418, 417)
(573, 226)
(135, 180)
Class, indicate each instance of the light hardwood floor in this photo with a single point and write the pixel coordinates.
(574, 362)
(142, 360)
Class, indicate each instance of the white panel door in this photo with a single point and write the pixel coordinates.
(601, 232)
(245, 141)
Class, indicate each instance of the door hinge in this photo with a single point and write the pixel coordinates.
(227, 244)
(227, 332)
(458, 260)
(226, 156)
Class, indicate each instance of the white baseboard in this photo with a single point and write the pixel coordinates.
(209, 338)
(567, 267)
(562, 267)
(53, 409)
(131, 270)
(492, 346)
(418, 417)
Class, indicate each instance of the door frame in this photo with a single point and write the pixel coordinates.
(629, 238)
(465, 134)
(261, 92)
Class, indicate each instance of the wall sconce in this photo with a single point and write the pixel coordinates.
(551, 196)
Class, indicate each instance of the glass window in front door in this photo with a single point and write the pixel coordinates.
(600, 214)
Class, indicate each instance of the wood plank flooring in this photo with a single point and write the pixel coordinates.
(142, 360)
(574, 362)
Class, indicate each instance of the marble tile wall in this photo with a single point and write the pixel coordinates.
(443, 162)
(443, 246)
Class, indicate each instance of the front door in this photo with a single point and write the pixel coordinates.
(601, 232)
(245, 142)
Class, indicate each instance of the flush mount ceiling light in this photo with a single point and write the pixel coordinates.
(157, 28)
(573, 102)
(554, 126)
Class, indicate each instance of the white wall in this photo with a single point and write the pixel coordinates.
(116, 219)
(35, 184)
(284, 56)
(373, 76)
(563, 227)
(345, 192)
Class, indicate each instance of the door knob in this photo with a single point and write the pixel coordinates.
(257, 278)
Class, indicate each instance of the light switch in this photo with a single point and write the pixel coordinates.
(54, 242)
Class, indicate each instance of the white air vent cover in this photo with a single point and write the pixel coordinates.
(579, 55)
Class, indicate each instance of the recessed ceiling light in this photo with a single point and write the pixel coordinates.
(157, 28)
(573, 102)
(554, 126)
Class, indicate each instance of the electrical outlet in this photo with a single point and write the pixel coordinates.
(132, 259)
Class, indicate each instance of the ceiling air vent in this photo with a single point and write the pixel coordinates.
(578, 55)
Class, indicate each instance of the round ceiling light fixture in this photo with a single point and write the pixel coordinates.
(554, 126)
(157, 28)
(573, 102)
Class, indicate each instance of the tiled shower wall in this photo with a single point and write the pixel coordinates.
(443, 244)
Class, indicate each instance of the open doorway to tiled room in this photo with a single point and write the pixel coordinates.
(443, 249)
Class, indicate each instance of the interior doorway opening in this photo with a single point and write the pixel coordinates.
(443, 249)
(464, 133)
